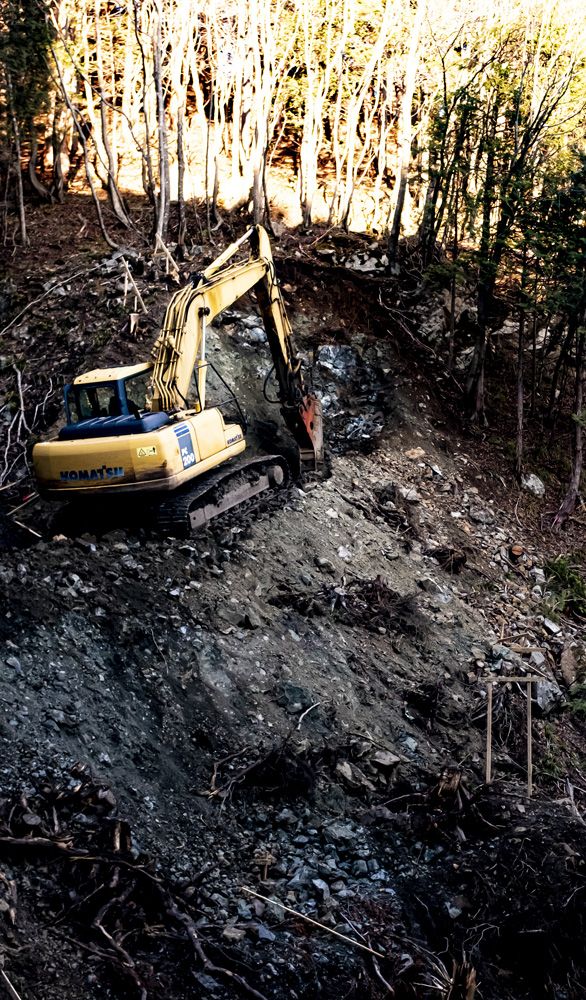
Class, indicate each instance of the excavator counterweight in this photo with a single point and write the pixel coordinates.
(146, 429)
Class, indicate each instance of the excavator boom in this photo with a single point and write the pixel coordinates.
(181, 345)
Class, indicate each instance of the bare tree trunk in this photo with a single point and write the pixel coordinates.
(267, 219)
(164, 187)
(520, 356)
(534, 360)
(58, 140)
(19, 188)
(180, 179)
(207, 170)
(117, 204)
(558, 367)
(37, 186)
(99, 159)
(405, 130)
(574, 485)
(148, 177)
(487, 272)
(453, 290)
(257, 191)
(81, 135)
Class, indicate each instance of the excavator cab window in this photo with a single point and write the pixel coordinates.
(91, 401)
(138, 392)
(122, 397)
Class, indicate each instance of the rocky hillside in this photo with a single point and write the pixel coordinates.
(208, 740)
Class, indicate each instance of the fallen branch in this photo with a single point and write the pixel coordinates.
(316, 923)
(9, 986)
(45, 295)
(186, 921)
(306, 712)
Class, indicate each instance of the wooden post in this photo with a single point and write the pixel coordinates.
(128, 277)
(529, 744)
(489, 734)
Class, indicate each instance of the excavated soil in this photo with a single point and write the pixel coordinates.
(292, 702)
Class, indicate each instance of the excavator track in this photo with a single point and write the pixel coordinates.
(192, 507)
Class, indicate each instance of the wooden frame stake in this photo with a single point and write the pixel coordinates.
(128, 277)
(528, 679)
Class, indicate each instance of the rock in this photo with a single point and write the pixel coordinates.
(338, 831)
(537, 659)
(480, 515)
(264, 934)
(515, 663)
(375, 815)
(352, 776)
(294, 698)
(409, 494)
(232, 933)
(477, 653)
(551, 627)
(538, 574)
(322, 887)
(286, 817)
(302, 877)
(251, 619)
(410, 744)
(385, 759)
(372, 865)
(338, 885)
(499, 652)
(244, 910)
(324, 564)
(533, 484)
(547, 695)
(414, 454)
(256, 335)
(569, 665)
(275, 908)
(339, 359)
(359, 868)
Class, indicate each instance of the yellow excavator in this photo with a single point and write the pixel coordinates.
(145, 429)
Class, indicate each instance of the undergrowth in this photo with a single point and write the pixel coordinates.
(566, 585)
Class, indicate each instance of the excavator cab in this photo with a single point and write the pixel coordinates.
(109, 402)
(112, 394)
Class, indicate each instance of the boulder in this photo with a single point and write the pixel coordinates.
(533, 484)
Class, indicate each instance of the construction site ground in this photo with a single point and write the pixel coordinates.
(290, 704)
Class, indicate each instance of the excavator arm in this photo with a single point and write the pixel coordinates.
(181, 346)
